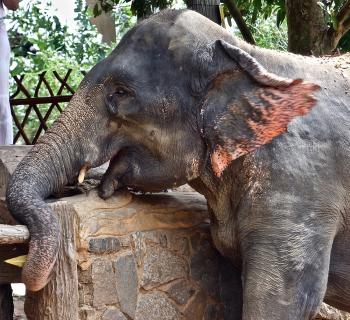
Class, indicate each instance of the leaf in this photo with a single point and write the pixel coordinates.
(96, 10)
(281, 14)
(334, 20)
(321, 4)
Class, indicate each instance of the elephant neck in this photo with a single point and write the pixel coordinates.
(220, 190)
(224, 195)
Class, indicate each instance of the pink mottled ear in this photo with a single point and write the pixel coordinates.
(257, 106)
(271, 110)
(281, 106)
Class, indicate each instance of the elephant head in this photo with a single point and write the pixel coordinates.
(176, 98)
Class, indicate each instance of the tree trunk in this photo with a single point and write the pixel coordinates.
(208, 8)
(309, 32)
(307, 28)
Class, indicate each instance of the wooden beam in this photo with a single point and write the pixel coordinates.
(13, 234)
(13, 241)
(40, 100)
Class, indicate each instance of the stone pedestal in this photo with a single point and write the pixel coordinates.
(151, 257)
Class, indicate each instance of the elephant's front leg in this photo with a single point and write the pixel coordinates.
(285, 271)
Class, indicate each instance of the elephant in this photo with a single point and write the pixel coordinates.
(263, 135)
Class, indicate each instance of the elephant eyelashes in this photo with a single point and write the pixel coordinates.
(120, 92)
(113, 100)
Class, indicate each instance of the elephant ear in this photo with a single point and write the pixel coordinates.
(245, 106)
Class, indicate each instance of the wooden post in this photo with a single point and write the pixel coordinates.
(6, 302)
(59, 299)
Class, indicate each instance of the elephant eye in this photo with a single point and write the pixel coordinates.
(120, 92)
(114, 98)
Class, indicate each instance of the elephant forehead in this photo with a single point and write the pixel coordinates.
(178, 30)
(146, 36)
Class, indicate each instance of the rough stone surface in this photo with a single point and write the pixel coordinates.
(88, 313)
(162, 266)
(196, 307)
(156, 306)
(85, 287)
(179, 244)
(329, 313)
(195, 240)
(205, 268)
(212, 312)
(104, 284)
(84, 276)
(85, 294)
(104, 245)
(181, 291)
(113, 314)
(127, 283)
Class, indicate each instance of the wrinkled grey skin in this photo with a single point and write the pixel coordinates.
(280, 212)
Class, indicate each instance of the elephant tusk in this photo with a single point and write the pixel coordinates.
(17, 261)
(82, 173)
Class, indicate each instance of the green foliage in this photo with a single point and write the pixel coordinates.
(40, 43)
(252, 10)
(139, 8)
(142, 8)
(267, 35)
(344, 43)
(256, 11)
(263, 9)
(124, 19)
(34, 35)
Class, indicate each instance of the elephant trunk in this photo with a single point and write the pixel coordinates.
(54, 161)
(46, 168)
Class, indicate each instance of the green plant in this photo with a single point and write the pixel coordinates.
(267, 35)
(40, 43)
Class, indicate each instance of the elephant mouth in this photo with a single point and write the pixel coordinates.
(114, 169)
(111, 155)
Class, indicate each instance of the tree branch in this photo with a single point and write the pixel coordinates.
(344, 12)
(343, 17)
(346, 24)
(237, 16)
